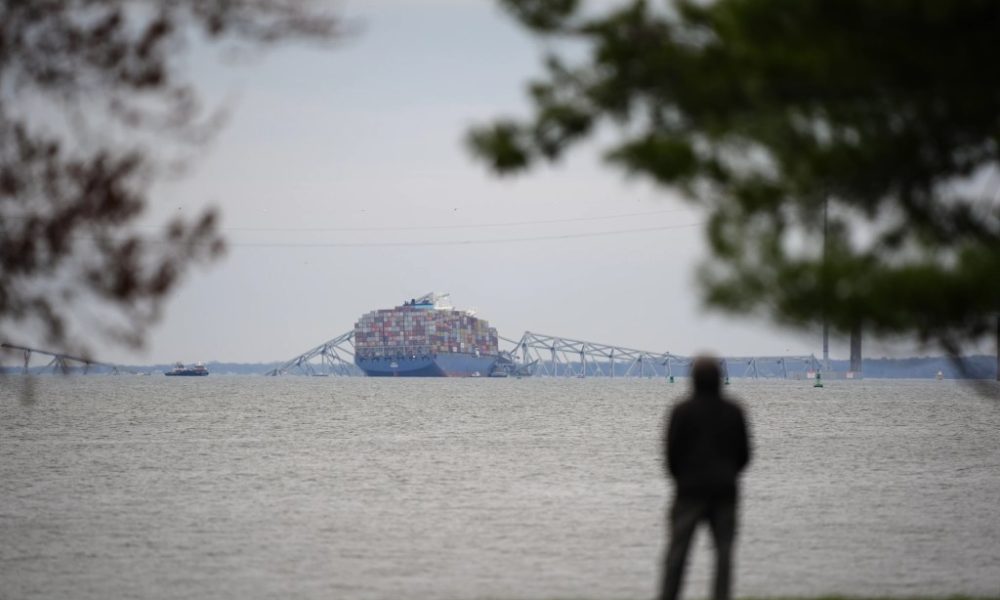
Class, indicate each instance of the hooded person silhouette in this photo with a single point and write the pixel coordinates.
(707, 447)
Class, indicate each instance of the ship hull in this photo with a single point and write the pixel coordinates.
(440, 365)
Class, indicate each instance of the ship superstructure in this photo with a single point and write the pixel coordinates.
(179, 370)
(425, 337)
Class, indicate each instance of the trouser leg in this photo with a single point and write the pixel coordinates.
(722, 519)
(684, 517)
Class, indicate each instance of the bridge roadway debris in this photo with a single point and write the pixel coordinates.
(62, 363)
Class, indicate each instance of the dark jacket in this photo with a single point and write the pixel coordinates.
(707, 444)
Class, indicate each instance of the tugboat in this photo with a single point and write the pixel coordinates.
(179, 370)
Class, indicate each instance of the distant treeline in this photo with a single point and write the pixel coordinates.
(972, 367)
(215, 368)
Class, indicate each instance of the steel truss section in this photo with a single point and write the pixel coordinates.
(783, 367)
(555, 356)
(61, 363)
(335, 357)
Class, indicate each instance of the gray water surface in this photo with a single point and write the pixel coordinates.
(245, 487)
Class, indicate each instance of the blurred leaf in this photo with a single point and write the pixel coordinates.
(108, 76)
(764, 112)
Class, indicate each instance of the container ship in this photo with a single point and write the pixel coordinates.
(425, 337)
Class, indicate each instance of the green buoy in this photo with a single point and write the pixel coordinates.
(819, 380)
(727, 379)
(671, 379)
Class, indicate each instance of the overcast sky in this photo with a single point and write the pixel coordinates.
(330, 155)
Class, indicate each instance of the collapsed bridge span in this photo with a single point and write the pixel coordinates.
(542, 355)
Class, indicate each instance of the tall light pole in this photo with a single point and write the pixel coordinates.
(826, 290)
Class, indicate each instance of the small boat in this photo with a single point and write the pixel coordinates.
(179, 370)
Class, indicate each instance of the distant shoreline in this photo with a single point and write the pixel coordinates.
(978, 367)
(973, 367)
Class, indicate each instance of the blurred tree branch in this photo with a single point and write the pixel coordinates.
(95, 106)
(762, 111)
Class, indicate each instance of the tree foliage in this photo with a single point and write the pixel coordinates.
(883, 114)
(95, 106)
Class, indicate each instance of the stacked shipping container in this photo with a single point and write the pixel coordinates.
(418, 330)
